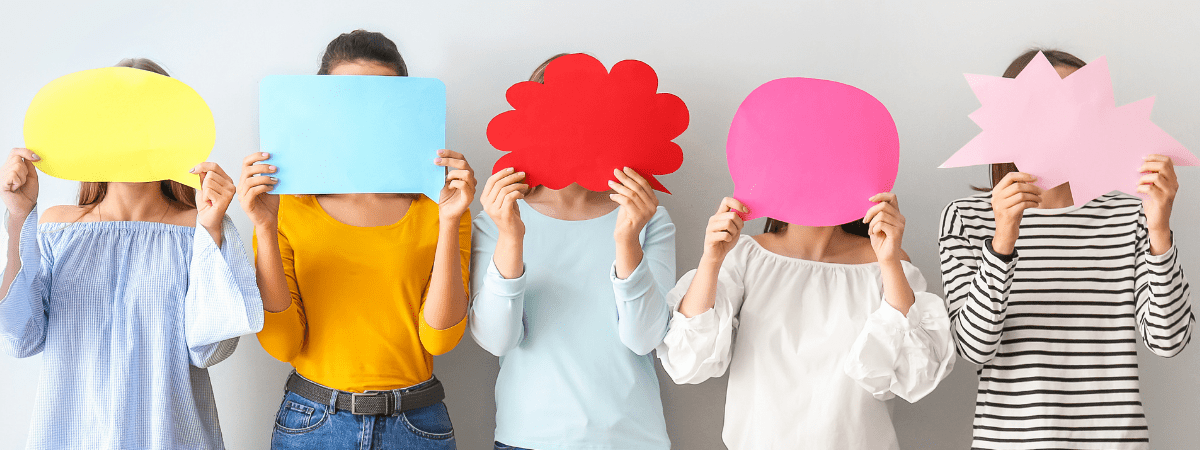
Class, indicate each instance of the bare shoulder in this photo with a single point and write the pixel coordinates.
(65, 214)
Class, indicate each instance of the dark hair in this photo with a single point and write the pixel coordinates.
(1057, 58)
(856, 227)
(539, 74)
(92, 193)
(362, 45)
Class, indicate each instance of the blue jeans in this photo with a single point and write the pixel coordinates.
(303, 424)
(500, 446)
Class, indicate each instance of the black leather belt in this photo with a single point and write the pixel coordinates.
(370, 403)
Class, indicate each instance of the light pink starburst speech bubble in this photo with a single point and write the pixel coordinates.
(1065, 130)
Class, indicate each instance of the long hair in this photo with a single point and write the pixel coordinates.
(1057, 58)
(92, 193)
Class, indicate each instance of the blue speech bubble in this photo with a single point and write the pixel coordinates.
(343, 134)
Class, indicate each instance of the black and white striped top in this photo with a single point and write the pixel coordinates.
(1055, 325)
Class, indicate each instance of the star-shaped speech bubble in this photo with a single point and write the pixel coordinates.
(1065, 130)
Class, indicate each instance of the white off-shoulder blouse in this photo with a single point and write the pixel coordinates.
(819, 350)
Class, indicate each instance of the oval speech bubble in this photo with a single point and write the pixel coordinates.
(119, 124)
(811, 152)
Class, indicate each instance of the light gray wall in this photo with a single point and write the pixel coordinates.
(909, 54)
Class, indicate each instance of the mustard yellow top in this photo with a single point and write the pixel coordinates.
(357, 321)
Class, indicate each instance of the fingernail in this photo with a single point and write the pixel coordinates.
(272, 168)
(193, 170)
(611, 182)
(36, 157)
(265, 154)
(274, 179)
(437, 160)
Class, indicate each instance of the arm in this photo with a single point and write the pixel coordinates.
(904, 354)
(23, 315)
(642, 312)
(450, 277)
(222, 301)
(1164, 311)
(976, 281)
(498, 306)
(705, 303)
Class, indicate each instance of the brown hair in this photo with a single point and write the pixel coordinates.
(365, 46)
(92, 193)
(539, 74)
(856, 227)
(1057, 58)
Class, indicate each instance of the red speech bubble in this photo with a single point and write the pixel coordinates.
(584, 121)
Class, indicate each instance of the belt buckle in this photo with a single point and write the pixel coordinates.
(354, 396)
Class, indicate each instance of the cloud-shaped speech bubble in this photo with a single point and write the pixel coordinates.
(119, 124)
(811, 152)
(585, 121)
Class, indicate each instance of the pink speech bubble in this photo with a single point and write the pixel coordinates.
(811, 152)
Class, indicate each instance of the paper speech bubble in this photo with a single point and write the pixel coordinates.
(585, 121)
(1066, 130)
(811, 152)
(119, 124)
(345, 134)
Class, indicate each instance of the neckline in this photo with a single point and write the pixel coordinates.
(759, 246)
(120, 224)
(526, 206)
(325, 214)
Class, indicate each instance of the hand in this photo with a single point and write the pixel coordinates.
(886, 227)
(723, 231)
(1010, 198)
(459, 191)
(638, 204)
(213, 197)
(499, 198)
(1160, 185)
(20, 182)
(254, 191)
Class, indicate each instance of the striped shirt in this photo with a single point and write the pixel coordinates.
(1055, 324)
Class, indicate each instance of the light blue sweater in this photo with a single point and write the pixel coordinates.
(573, 339)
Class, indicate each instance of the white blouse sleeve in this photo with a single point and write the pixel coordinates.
(222, 300)
(896, 355)
(700, 347)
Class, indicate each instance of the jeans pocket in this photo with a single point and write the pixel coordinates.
(430, 422)
(299, 415)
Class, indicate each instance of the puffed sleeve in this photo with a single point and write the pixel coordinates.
(23, 311)
(497, 314)
(222, 300)
(700, 347)
(905, 356)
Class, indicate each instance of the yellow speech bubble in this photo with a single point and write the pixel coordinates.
(119, 124)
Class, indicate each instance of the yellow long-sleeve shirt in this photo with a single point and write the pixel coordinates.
(356, 321)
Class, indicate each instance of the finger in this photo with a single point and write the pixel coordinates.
(459, 185)
(256, 191)
(621, 189)
(252, 182)
(510, 199)
(635, 190)
(646, 189)
(887, 197)
(621, 200)
(464, 175)
(25, 153)
(497, 178)
(871, 212)
(447, 153)
(257, 169)
(452, 163)
(255, 157)
(1157, 158)
(209, 166)
(735, 204)
(1024, 197)
(516, 187)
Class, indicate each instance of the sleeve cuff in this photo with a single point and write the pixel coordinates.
(1006, 259)
(705, 321)
(1164, 260)
(890, 316)
(636, 285)
(506, 287)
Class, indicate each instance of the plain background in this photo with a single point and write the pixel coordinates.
(909, 54)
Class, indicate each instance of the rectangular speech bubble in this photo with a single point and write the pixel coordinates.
(343, 134)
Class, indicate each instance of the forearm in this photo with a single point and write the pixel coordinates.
(629, 255)
(214, 231)
(509, 256)
(896, 290)
(11, 269)
(446, 301)
(1160, 239)
(268, 267)
(701, 293)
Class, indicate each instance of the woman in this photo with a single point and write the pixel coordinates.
(361, 291)
(129, 296)
(1050, 298)
(574, 310)
(830, 321)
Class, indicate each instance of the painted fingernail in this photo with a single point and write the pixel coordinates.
(36, 157)
(437, 160)
(271, 168)
(275, 180)
(193, 170)
(265, 154)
